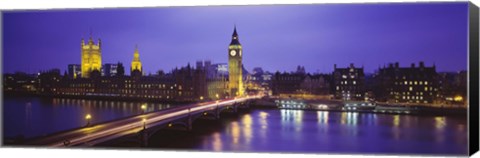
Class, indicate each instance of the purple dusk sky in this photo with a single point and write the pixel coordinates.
(274, 37)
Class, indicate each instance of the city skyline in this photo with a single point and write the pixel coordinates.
(264, 78)
(306, 35)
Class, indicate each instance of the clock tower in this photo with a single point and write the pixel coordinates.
(235, 79)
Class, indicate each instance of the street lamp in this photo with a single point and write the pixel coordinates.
(144, 107)
(88, 117)
(144, 120)
(216, 95)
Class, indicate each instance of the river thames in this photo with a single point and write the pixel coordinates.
(256, 130)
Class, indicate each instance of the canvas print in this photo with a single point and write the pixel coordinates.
(378, 78)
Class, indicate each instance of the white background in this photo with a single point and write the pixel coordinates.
(94, 153)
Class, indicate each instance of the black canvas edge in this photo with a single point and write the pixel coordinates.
(473, 135)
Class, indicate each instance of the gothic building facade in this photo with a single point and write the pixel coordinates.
(91, 57)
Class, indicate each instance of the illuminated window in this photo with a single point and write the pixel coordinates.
(415, 82)
(410, 88)
(344, 76)
(426, 88)
(406, 83)
(426, 82)
(354, 82)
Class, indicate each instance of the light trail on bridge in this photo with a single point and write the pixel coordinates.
(116, 129)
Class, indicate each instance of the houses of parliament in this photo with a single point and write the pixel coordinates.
(421, 84)
(187, 83)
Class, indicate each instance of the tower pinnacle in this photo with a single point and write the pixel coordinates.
(235, 40)
(235, 30)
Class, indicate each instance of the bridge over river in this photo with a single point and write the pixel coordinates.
(143, 125)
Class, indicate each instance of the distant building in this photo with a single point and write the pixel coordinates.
(217, 88)
(184, 84)
(48, 81)
(453, 88)
(216, 76)
(260, 77)
(315, 84)
(74, 71)
(302, 85)
(349, 83)
(300, 70)
(286, 83)
(219, 70)
(199, 65)
(19, 83)
(192, 82)
(418, 85)
(91, 57)
(110, 69)
(257, 71)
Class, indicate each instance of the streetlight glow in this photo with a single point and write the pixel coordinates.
(88, 117)
(458, 98)
(144, 108)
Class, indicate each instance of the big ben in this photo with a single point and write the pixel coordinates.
(235, 80)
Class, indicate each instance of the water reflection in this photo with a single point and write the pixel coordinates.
(349, 118)
(217, 142)
(263, 119)
(262, 130)
(396, 131)
(28, 115)
(33, 116)
(361, 133)
(440, 122)
(352, 118)
(247, 128)
(322, 117)
(235, 131)
(396, 120)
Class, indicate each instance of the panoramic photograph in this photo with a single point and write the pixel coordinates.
(378, 78)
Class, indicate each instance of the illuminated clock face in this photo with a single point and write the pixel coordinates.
(233, 52)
